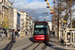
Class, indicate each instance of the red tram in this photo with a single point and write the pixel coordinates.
(41, 32)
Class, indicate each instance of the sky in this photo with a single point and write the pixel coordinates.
(35, 8)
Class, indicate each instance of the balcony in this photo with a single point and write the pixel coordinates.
(27, 24)
(30, 22)
(7, 4)
(27, 18)
(30, 25)
(27, 21)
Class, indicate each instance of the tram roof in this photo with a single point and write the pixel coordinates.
(41, 22)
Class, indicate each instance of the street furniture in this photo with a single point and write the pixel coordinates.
(22, 33)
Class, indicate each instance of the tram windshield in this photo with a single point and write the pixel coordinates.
(40, 29)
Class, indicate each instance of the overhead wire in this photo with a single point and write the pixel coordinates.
(29, 7)
(12, 1)
(45, 9)
(43, 5)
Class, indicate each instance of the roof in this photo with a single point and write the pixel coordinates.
(30, 17)
(22, 11)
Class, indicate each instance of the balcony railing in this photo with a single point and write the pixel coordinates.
(7, 4)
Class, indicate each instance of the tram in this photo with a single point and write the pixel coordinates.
(41, 32)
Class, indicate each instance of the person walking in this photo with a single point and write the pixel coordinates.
(13, 36)
(5, 32)
(53, 33)
(18, 33)
(26, 32)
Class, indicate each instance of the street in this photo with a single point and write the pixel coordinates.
(50, 21)
(26, 43)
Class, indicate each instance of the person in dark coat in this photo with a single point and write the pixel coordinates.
(5, 32)
(53, 33)
(16, 33)
(13, 36)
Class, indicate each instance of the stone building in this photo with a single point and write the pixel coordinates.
(6, 11)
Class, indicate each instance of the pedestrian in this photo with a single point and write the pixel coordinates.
(26, 32)
(16, 33)
(13, 36)
(19, 33)
(53, 33)
(5, 32)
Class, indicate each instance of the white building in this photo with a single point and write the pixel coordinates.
(16, 20)
(23, 20)
(19, 20)
(29, 23)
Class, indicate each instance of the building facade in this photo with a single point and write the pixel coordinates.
(6, 13)
(17, 18)
(23, 20)
(29, 23)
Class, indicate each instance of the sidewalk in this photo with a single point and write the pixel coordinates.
(55, 42)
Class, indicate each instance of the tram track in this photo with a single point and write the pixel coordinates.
(36, 46)
(44, 47)
(33, 44)
(27, 46)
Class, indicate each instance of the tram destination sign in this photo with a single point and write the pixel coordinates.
(41, 23)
